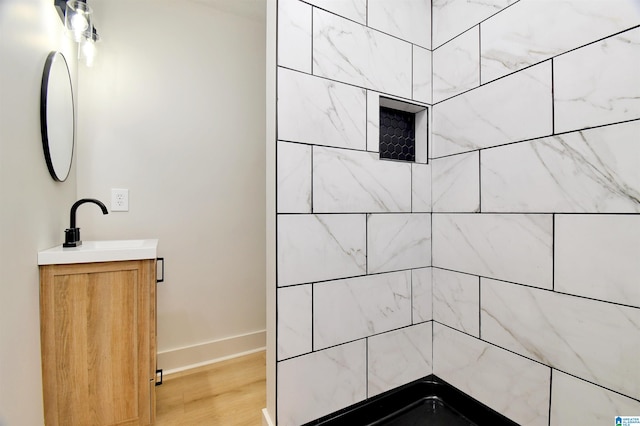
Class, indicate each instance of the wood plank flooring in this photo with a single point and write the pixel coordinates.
(227, 393)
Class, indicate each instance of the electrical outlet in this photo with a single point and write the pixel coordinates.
(119, 200)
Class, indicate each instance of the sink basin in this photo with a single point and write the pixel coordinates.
(100, 251)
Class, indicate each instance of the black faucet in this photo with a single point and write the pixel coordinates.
(72, 234)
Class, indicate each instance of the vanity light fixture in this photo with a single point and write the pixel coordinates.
(78, 20)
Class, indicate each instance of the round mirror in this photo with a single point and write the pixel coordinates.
(57, 118)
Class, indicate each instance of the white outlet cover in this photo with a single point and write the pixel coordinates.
(119, 200)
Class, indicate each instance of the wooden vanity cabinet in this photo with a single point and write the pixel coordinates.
(98, 340)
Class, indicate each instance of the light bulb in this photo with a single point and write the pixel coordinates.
(89, 51)
(79, 22)
(77, 19)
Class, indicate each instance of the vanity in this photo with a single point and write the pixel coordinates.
(98, 333)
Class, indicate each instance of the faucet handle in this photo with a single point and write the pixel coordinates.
(72, 237)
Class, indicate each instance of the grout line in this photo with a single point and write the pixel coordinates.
(366, 243)
(312, 38)
(480, 54)
(411, 294)
(366, 14)
(536, 361)
(553, 252)
(550, 392)
(566, 132)
(311, 179)
(413, 49)
(366, 364)
(479, 308)
(462, 32)
(479, 181)
(541, 288)
(432, 363)
(313, 343)
(553, 101)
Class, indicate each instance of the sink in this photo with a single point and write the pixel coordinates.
(100, 251)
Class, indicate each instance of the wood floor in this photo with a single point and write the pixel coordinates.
(227, 393)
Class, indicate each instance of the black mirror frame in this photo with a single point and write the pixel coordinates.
(60, 175)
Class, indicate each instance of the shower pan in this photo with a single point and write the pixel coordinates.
(429, 401)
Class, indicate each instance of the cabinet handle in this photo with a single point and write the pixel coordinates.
(160, 372)
(160, 260)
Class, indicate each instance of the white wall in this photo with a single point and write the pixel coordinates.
(34, 210)
(174, 110)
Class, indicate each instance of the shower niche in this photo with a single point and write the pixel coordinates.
(402, 130)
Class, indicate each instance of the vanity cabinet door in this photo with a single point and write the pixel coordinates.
(98, 343)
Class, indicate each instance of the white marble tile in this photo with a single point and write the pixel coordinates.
(398, 241)
(456, 300)
(373, 121)
(294, 321)
(420, 188)
(453, 17)
(314, 385)
(456, 183)
(510, 247)
(357, 181)
(456, 65)
(598, 84)
(422, 295)
(354, 54)
(597, 256)
(510, 384)
(595, 341)
(294, 35)
(356, 10)
(320, 247)
(409, 20)
(576, 402)
(496, 113)
(422, 75)
(534, 30)
(398, 357)
(592, 171)
(346, 310)
(318, 111)
(294, 178)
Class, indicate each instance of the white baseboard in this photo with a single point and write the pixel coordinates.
(266, 418)
(176, 360)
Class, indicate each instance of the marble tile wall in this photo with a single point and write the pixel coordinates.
(456, 300)
(357, 181)
(576, 401)
(535, 30)
(456, 65)
(512, 254)
(536, 205)
(346, 310)
(398, 357)
(509, 383)
(354, 290)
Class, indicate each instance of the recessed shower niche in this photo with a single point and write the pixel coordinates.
(398, 130)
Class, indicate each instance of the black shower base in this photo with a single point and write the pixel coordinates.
(426, 402)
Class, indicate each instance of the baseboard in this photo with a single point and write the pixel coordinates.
(266, 418)
(176, 360)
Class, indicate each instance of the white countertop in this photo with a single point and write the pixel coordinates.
(100, 251)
